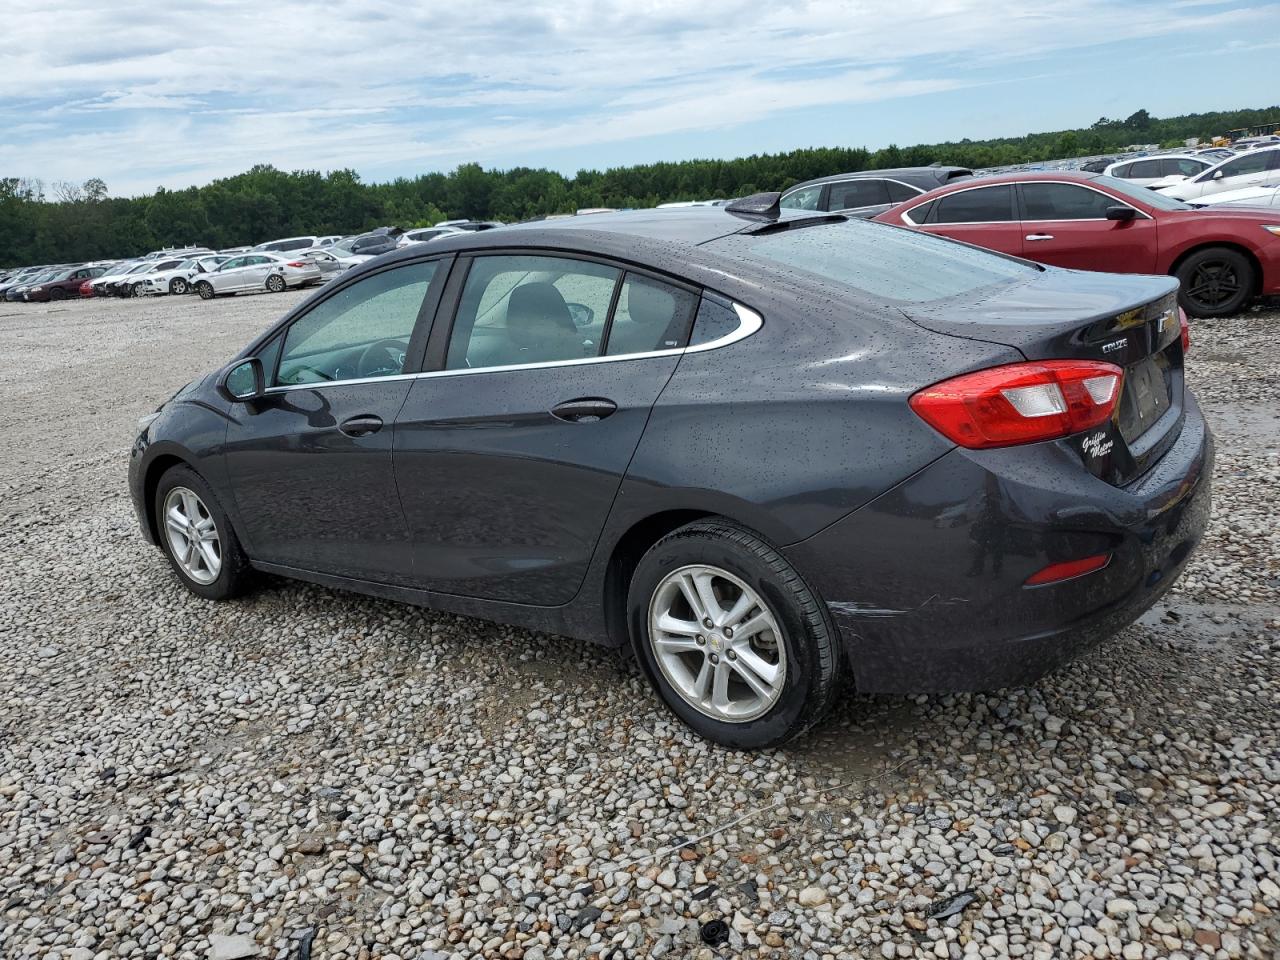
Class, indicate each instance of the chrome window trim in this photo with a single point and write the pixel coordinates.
(748, 323)
(977, 223)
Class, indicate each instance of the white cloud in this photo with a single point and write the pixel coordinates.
(148, 95)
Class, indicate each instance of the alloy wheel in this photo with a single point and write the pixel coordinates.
(717, 643)
(179, 285)
(275, 283)
(1213, 283)
(193, 535)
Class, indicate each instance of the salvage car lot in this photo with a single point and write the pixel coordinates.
(312, 766)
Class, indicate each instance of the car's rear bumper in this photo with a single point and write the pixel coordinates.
(926, 584)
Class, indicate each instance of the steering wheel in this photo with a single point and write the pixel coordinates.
(382, 359)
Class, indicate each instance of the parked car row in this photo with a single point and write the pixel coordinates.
(271, 266)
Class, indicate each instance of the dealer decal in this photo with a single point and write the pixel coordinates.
(1097, 445)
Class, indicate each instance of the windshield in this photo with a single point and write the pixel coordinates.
(1152, 198)
(344, 245)
(886, 262)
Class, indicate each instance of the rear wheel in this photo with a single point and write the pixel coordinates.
(196, 535)
(205, 289)
(731, 637)
(1215, 282)
(178, 286)
(275, 283)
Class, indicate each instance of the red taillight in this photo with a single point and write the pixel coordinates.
(1186, 330)
(1056, 572)
(295, 263)
(1021, 402)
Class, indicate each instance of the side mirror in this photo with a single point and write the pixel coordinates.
(244, 381)
(1121, 213)
(1217, 174)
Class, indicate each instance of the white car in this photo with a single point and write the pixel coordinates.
(1144, 171)
(179, 279)
(423, 234)
(287, 244)
(1245, 197)
(257, 271)
(1257, 168)
(330, 266)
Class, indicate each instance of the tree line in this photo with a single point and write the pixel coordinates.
(66, 222)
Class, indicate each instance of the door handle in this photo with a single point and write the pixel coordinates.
(1039, 236)
(584, 410)
(361, 426)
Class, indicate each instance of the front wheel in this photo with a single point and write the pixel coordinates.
(136, 290)
(1215, 282)
(197, 537)
(178, 286)
(57, 293)
(205, 289)
(275, 283)
(731, 637)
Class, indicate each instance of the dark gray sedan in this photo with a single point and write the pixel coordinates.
(767, 453)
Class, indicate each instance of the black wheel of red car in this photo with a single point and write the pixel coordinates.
(205, 289)
(275, 283)
(57, 293)
(1215, 282)
(731, 637)
(178, 286)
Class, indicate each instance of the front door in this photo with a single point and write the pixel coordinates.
(310, 463)
(508, 459)
(1066, 225)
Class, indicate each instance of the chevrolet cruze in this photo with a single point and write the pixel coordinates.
(769, 453)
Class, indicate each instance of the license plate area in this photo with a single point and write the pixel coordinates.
(1147, 395)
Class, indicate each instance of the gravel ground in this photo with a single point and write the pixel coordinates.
(308, 773)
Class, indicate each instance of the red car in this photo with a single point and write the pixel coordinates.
(69, 282)
(1222, 257)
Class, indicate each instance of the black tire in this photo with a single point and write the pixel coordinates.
(135, 290)
(235, 575)
(812, 677)
(1215, 282)
(57, 293)
(205, 289)
(178, 286)
(276, 284)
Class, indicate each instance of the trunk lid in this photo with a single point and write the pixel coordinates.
(1128, 320)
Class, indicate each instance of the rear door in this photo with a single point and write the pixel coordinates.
(1066, 225)
(986, 216)
(509, 455)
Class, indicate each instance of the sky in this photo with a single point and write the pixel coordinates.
(144, 95)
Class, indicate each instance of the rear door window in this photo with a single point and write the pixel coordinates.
(1144, 169)
(857, 193)
(516, 310)
(992, 204)
(899, 192)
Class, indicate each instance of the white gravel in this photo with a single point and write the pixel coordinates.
(311, 772)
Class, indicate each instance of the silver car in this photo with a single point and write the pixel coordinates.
(257, 271)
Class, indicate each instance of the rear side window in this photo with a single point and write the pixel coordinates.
(899, 192)
(857, 193)
(1121, 171)
(1182, 167)
(650, 315)
(1142, 169)
(920, 214)
(1064, 201)
(889, 264)
(983, 205)
(715, 320)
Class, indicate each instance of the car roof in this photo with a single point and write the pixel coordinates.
(940, 173)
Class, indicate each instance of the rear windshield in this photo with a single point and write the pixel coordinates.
(891, 263)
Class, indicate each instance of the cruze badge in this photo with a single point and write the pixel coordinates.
(1113, 345)
(1097, 445)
